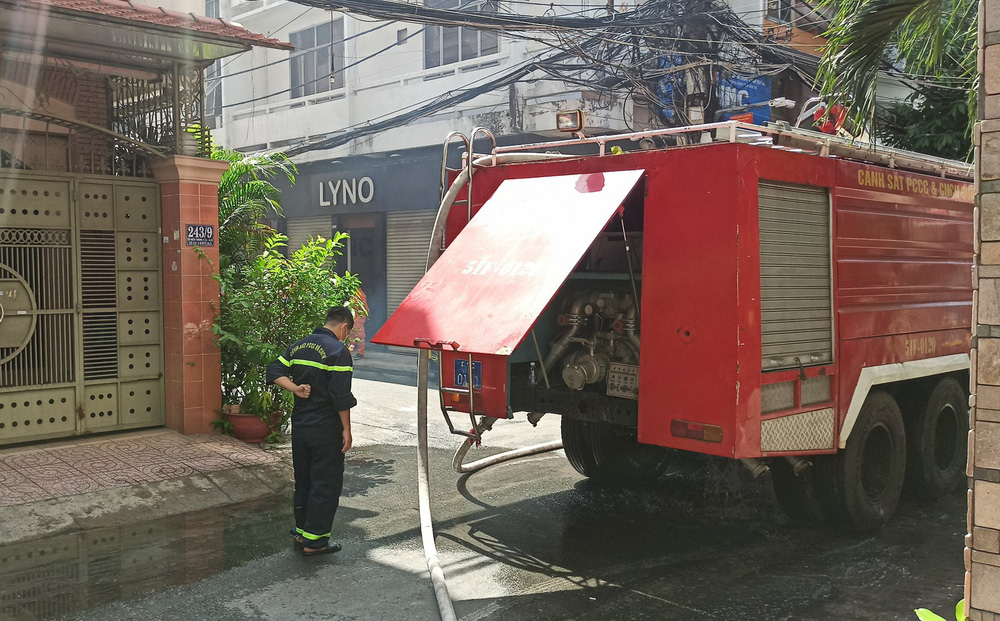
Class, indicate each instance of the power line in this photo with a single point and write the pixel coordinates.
(285, 25)
(649, 52)
(429, 107)
(416, 13)
(289, 58)
(587, 9)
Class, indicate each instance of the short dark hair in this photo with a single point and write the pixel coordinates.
(339, 315)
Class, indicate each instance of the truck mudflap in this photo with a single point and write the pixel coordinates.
(484, 294)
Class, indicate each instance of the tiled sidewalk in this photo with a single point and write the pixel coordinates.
(89, 465)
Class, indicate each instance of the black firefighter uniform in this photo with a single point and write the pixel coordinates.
(324, 363)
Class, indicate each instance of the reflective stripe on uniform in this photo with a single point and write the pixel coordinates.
(283, 361)
(320, 365)
(310, 535)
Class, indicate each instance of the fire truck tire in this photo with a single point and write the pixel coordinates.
(796, 494)
(607, 452)
(867, 478)
(577, 446)
(938, 442)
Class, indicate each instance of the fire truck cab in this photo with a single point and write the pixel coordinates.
(770, 295)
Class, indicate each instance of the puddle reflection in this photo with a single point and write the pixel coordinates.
(54, 577)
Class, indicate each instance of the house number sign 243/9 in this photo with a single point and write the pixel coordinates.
(200, 235)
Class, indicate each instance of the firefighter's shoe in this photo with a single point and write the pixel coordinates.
(330, 548)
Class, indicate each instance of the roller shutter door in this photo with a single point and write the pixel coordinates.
(408, 235)
(795, 276)
(301, 229)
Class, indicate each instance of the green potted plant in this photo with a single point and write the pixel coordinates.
(267, 302)
(246, 197)
(926, 615)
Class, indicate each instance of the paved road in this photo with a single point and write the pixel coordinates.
(525, 540)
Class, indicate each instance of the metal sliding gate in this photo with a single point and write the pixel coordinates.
(80, 306)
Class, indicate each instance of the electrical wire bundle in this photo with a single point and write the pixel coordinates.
(649, 53)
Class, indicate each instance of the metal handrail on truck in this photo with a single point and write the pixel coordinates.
(779, 135)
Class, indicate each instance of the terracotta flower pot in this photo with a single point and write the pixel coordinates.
(249, 427)
(276, 417)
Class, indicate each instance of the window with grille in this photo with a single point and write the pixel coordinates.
(780, 10)
(317, 64)
(213, 93)
(446, 45)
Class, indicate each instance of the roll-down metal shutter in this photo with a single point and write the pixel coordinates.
(301, 229)
(408, 235)
(795, 275)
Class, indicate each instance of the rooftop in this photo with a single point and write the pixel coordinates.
(120, 33)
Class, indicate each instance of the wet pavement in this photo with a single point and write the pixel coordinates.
(111, 480)
(525, 540)
(91, 464)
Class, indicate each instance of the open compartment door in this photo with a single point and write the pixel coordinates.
(491, 284)
(484, 294)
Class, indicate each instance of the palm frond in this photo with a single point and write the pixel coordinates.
(861, 33)
(247, 195)
(928, 39)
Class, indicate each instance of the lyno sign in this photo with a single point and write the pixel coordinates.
(346, 191)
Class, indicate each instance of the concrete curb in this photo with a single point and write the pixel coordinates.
(125, 505)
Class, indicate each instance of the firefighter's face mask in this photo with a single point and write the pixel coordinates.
(342, 331)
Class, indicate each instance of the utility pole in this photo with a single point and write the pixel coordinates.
(698, 78)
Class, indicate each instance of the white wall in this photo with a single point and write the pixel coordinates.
(750, 11)
(380, 87)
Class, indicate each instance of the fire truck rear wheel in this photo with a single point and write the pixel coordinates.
(609, 452)
(868, 475)
(938, 438)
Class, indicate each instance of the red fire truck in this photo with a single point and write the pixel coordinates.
(771, 295)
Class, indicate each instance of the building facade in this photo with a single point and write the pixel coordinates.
(384, 189)
(105, 308)
(385, 203)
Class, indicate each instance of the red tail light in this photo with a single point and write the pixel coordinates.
(456, 397)
(695, 431)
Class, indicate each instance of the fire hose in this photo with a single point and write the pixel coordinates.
(445, 605)
(463, 468)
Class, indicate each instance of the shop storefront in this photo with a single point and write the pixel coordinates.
(386, 203)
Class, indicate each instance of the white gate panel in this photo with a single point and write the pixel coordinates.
(80, 278)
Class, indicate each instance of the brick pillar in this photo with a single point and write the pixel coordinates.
(189, 194)
(982, 552)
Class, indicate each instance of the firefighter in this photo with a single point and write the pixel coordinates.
(318, 370)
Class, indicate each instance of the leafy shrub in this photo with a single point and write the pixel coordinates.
(269, 301)
(246, 197)
(926, 615)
